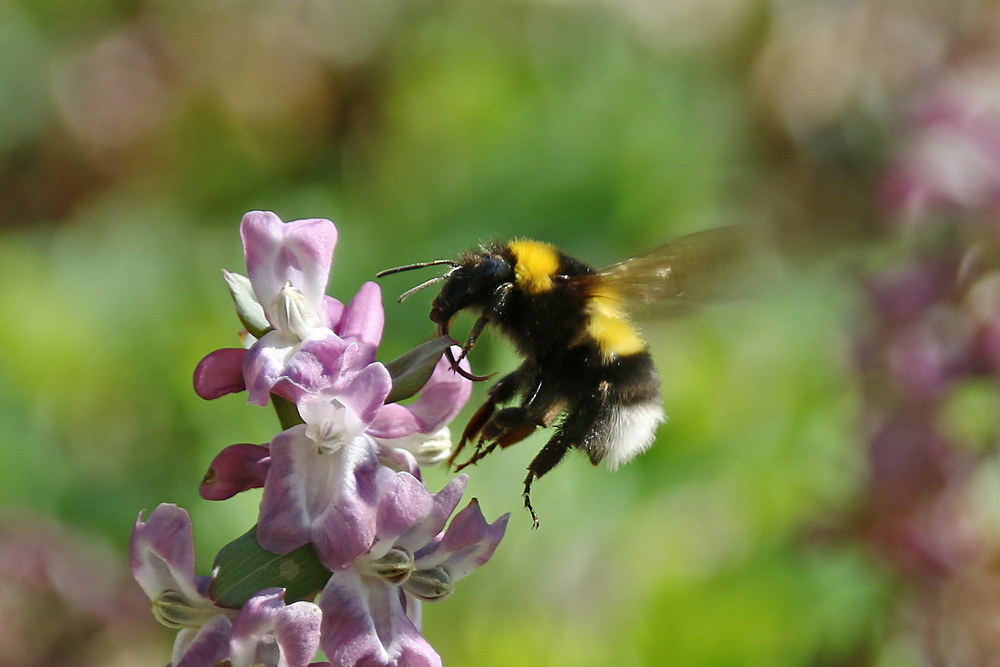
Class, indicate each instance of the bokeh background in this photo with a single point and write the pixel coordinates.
(826, 491)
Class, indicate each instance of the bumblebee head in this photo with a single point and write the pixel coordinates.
(471, 284)
(475, 282)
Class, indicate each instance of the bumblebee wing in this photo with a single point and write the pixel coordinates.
(710, 266)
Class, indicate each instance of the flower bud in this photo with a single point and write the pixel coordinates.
(174, 610)
(394, 567)
(430, 585)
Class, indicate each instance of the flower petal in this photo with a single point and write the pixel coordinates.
(445, 502)
(161, 553)
(332, 311)
(322, 360)
(364, 317)
(209, 645)
(405, 504)
(326, 499)
(236, 468)
(469, 542)
(300, 252)
(220, 373)
(445, 393)
(399, 460)
(275, 365)
(365, 623)
(265, 619)
(263, 365)
(297, 631)
(366, 391)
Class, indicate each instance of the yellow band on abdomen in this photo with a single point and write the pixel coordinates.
(609, 326)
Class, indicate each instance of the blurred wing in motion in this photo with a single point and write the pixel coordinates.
(711, 266)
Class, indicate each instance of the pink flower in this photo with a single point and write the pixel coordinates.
(326, 498)
(264, 632)
(371, 611)
(343, 502)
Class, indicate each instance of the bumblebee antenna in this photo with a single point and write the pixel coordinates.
(421, 265)
(427, 283)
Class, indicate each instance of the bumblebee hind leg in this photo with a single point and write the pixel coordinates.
(577, 429)
(551, 454)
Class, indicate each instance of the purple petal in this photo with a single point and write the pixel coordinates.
(365, 624)
(469, 542)
(263, 365)
(399, 460)
(394, 421)
(208, 646)
(405, 504)
(445, 502)
(274, 365)
(445, 393)
(364, 318)
(326, 499)
(161, 553)
(236, 468)
(220, 373)
(265, 615)
(367, 390)
(297, 632)
(332, 311)
(320, 362)
(300, 252)
(255, 620)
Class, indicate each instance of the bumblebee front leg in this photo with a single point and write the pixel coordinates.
(499, 299)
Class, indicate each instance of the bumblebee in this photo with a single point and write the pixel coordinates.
(586, 370)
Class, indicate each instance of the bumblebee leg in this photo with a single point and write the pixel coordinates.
(578, 424)
(499, 393)
(474, 333)
(477, 329)
(545, 461)
(510, 426)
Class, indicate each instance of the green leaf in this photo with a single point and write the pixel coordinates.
(411, 370)
(244, 568)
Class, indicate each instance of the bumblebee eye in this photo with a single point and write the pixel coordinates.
(487, 273)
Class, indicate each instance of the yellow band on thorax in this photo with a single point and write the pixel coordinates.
(536, 264)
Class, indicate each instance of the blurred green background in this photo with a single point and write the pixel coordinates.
(134, 135)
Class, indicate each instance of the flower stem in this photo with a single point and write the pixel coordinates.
(288, 414)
